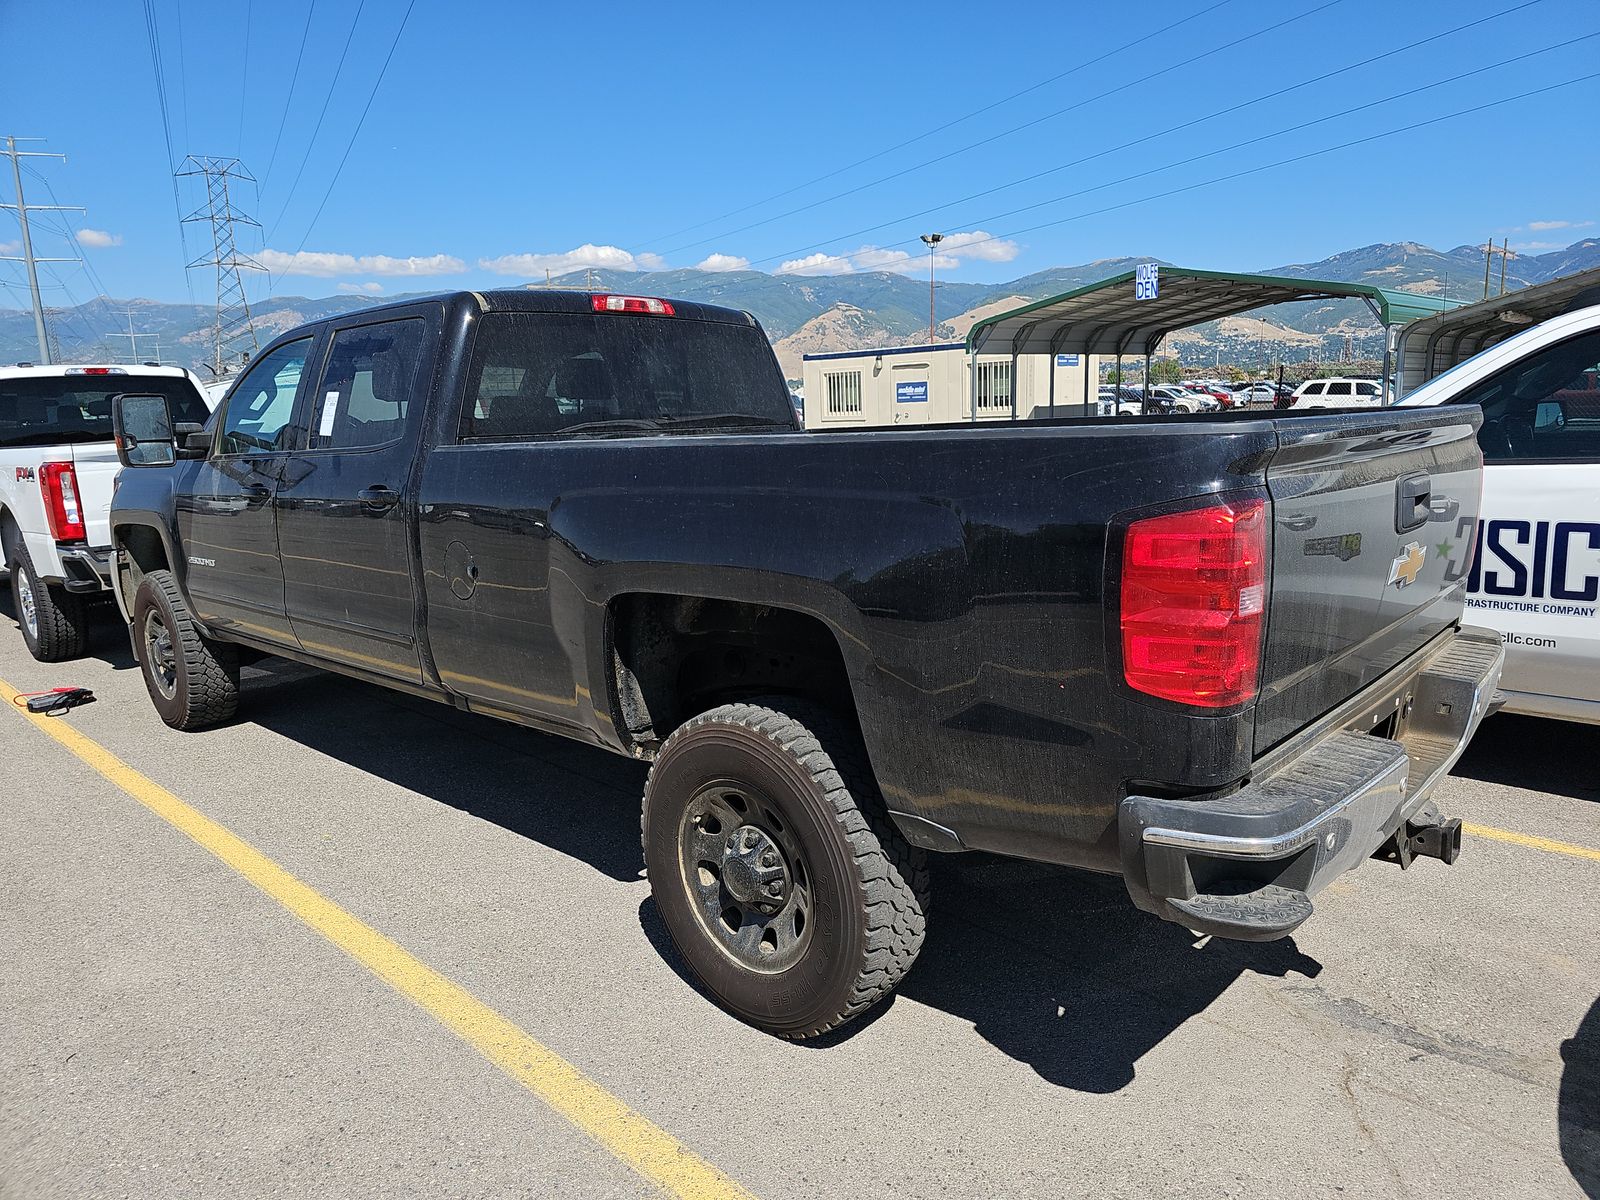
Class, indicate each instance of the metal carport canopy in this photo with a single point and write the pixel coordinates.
(1105, 318)
(1432, 345)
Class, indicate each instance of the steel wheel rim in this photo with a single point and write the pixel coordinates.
(161, 661)
(29, 611)
(726, 826)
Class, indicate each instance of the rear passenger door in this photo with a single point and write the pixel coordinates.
(344, 499)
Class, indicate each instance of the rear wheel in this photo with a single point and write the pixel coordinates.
(778, 873)
(55, 623)
(193, 681)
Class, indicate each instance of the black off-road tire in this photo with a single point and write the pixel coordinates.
(868, 885)
(60, 626)
(193, 681)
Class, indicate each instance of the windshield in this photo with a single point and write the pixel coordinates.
(559, 373)
(42, 410)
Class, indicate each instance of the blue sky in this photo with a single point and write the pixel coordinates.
(510, 138)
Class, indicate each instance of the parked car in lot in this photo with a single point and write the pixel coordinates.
(1337, 393)
(594, 515)
(1254, 394)
(1181, 399)
(57, 467)
(1535, 551)
(1114, 401)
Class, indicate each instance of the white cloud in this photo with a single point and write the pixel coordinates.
(361, 289)
(980, 245)
(587, 255)
(311, 262)
(650, 262)
(955, 248)
(99, 238)
(1538, 246)
(10, 247)
(1543, 226)
(722, 262)
(817, 264)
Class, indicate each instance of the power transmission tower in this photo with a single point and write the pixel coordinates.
(233, 330)
(133, 339)
(22, 208)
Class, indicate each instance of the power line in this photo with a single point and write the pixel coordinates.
(1284, 162)
(1138, 81)
(287, 100)
(183, 70)
(320, 116)
(1222, 112)
(977, 112)
(244, 76)
(152, 25)
(355, 133)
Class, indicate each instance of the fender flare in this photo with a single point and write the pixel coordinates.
(125, 519)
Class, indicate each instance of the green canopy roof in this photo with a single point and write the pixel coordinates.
(1106, 318)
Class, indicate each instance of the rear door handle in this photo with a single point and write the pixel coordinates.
(255, 491)
(377, 498)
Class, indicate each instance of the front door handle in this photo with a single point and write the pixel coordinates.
(377, 498)
(255, 491)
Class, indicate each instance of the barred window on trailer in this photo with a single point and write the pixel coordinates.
(994, 386)
(844, 393)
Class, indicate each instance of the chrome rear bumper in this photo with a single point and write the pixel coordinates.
(1246, 864)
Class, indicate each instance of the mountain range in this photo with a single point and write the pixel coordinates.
(812, 314)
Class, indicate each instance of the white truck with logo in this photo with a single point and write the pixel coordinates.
(1535, 575)
(58, 467)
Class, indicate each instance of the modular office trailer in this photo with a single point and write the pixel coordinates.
(931, 385)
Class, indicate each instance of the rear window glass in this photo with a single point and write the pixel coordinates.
(42, 410)
(574, 373)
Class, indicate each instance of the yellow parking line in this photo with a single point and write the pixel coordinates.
(1533, 843)
(644, 1146)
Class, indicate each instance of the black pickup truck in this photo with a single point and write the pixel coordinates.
(1220, 656)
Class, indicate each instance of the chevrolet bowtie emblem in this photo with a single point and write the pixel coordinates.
(1407, 565)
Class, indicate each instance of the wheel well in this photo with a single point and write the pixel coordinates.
(143, 552)
(8, 535)
(675, 656)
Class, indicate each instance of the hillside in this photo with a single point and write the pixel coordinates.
(815, 314)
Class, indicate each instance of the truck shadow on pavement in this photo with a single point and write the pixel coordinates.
(1054, 967)
(1535, 753)
(580, 801)
(1578, 1109)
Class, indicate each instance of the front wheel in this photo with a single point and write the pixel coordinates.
(193, 681)
(776, 869)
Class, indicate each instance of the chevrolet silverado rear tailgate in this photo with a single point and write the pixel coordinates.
(1374, 515)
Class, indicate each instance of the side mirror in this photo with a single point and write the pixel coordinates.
(142, 424)
(194, 440)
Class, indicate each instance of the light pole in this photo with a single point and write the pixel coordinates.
(932, 241)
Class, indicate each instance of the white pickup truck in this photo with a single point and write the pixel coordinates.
(1536, 573)
(58, 466)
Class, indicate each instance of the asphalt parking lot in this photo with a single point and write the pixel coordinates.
(172, 1028)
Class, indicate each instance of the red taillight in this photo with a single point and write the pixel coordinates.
(648, 305)
(1194, 591)
(62, 506)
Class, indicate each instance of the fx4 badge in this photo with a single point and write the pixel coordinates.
(1407, 565)
(24, 474)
